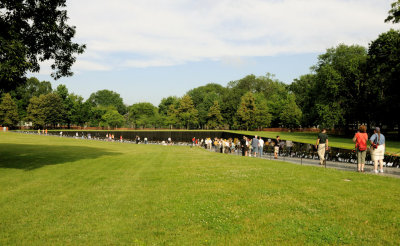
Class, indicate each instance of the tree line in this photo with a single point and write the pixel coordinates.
(349, 85)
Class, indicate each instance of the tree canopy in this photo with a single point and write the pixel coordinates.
(32, 32)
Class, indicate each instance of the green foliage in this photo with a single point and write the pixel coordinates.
(24, 92)
(32, 32)
(186, 113)
(214, 117)
(340, 83)
(394, 13)
(384, 78)
(247, 111)
(107, 98)
(35, 113)
(46, 110)
(263, 117)
(143, 115)
(8, 111)
(80, 111)
(291, 114)
(112, 119)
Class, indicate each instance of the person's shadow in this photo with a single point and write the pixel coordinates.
(29, 157)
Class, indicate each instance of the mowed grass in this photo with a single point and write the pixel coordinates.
(58, 191)
(392, 147)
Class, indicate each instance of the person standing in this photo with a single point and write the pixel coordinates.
(377, 141)
(254, 145)
(260, 146)
(243, 145)
(276, 146)
(360, 139)
(322, 145)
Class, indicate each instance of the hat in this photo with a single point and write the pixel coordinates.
(377, 129)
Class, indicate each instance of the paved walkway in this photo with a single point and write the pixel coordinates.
(352, 167)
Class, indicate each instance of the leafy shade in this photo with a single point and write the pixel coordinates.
(32, 32)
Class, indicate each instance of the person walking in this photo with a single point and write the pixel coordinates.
(361, 139)
(377, 141)
(254, 145)
(322, 145)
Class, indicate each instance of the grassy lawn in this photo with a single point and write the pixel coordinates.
(392, 147)
(57, 191)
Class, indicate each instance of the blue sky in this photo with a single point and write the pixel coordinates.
(147, 50)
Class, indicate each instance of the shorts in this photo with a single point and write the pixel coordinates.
(276, 149)
(378, 153)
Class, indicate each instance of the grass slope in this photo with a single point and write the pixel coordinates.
(63, 191)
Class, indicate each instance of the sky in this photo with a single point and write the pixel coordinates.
(149, 50)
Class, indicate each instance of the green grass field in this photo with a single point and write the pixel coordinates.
(59, 191)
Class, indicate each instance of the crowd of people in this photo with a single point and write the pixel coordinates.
(256, 146)
(245, 146)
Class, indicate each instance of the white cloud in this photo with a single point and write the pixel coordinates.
(167, 33)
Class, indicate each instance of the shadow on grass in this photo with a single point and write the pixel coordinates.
(29, 157)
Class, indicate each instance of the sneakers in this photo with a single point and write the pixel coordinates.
(375, 171)
(381, 171)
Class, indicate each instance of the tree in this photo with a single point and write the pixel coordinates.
(24, 92)
(215, 120)
(112, 119)
(107, 98)
(304, 90)
(80, 111)
(394, 13)
(263, 117)
(35, 114)
(45, 110)
(53, 108)
(340, 83)
(247, 111)
(291, 114)
(8, 111)
(143, 114)
(32, 32)
(384, 79)
(66, 111)
(203, 98)
(186, 113)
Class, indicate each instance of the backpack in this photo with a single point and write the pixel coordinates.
(362, 145)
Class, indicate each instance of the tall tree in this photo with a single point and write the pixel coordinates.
(112, 119)
(215, 120)
(66, 111)
(291, 114)
(8, 111)
(247, 111)
(32, 32)
(24, 92)
(107, 98)
(187, 114)
(384, 79)
(340, 82)
(143, 114)
(35, 113)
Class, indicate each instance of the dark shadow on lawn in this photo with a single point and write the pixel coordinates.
(29, 157)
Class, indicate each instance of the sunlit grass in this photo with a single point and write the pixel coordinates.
(66, 191)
